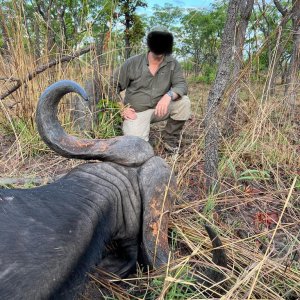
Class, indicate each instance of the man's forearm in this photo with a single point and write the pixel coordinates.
(175, 96)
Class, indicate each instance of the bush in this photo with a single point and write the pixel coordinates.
(109, 118)
(208, 75)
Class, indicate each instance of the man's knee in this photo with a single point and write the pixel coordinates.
(131, 128)
(181, 109)
(140, 126)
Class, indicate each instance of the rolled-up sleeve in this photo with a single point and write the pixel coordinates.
(179, 85)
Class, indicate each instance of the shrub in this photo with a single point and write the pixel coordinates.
(109, 118)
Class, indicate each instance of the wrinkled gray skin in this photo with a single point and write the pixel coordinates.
(51, 236)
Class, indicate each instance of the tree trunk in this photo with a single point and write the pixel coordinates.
(196, 63)
(246, 7)
(63, 28)
(266, 30)
(81, 114)
(280, 48)
(84, 113)
(293, 73)
(274, 63)
(216, 93)
(127, 23)
(284, 73)
(127, 36)
(5, 48)
(45, 12)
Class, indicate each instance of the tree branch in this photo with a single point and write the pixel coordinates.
(40, 10)
(263, 12)
(9, 79)
(44, 67)
(280, 8)
(247, 9)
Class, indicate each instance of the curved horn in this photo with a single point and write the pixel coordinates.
(125, 150)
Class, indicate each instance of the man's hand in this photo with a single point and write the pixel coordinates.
(161, 108)
(128, 113)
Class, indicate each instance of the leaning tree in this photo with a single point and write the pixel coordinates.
(217, 92)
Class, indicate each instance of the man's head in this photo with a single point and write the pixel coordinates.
(160, 40)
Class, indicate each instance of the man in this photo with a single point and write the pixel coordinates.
(155, 90)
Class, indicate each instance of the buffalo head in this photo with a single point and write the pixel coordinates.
(51, 236)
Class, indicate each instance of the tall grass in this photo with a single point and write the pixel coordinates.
(17, 111)
(258, 175)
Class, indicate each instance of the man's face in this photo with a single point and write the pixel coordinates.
(160, 43)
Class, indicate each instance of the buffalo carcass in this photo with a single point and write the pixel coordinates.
(51, 236)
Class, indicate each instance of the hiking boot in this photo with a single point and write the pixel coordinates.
(171, 135)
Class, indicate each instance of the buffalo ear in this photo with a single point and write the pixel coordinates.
(157, 190)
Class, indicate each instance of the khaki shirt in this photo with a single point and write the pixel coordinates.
(143, 90)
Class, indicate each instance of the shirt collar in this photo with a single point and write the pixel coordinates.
(167, 59)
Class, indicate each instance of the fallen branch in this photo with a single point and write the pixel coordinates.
(23, 181)
(42, 68)
(9, 79)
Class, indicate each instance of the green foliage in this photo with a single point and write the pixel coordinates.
(58, 25)
(134, 26)
(109, 119)
(209, 205)
(180, 288)
(137, 31)
(167, 15)
(207, 76)
(201, 38)
(262, 29)
(253, 175)
(27, 137)
(187, 65)
(232, 168)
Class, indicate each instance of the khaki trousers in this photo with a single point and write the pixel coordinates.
(178, 110)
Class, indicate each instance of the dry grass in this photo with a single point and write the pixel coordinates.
(256, 211)
(263, 254)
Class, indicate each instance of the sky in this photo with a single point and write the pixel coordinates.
(182, 3)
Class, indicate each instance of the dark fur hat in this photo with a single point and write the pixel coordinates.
(160, 41)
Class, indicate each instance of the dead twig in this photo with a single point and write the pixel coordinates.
(9, 79)
(42, 68)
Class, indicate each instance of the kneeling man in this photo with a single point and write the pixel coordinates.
(155, 90)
